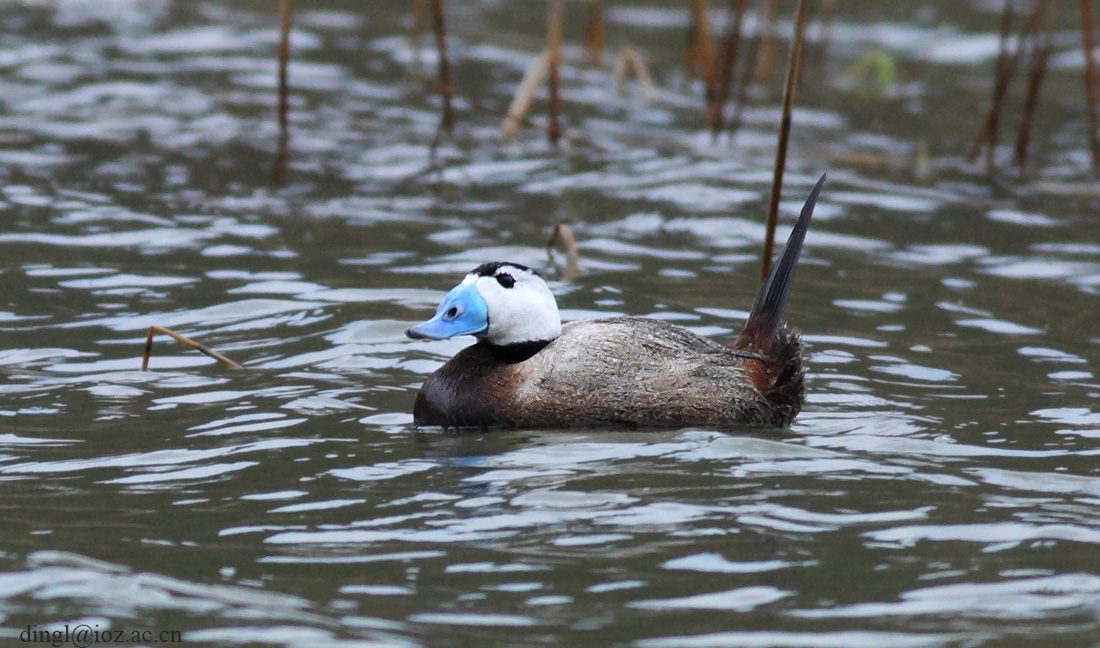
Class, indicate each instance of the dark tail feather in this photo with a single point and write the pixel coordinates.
(765, 319)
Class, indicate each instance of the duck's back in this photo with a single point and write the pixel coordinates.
(617, 371)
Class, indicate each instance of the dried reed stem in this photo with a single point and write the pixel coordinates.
(564, 233)
(1003, 71)
(1090, 83)
(594, 34)
(1040, 55)
(286, 9)
(477, 105)
(525, 94)
(185, 341)
(630, 60)
(730, 45)
(793, 64)
(700, 56)
(553, 45)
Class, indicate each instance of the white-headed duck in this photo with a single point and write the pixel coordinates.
(529, 370)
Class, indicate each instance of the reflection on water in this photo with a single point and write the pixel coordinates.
(939, 489)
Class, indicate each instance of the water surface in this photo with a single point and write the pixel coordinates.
(939, 488)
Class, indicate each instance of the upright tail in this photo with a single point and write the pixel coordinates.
(776, 373)
(765, 320)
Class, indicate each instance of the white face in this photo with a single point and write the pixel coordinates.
(524, 312)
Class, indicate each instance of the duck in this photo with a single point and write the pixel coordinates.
(528, 370)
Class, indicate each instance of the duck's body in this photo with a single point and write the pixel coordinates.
(622, 371)
(528, 370)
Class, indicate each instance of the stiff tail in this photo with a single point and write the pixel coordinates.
(764, 321)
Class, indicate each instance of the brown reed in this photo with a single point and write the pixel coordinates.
(553, 45)
(286, 9)
(185, 341)
(1090, 83)
(594, 34)
(730, 46)
(793, 65)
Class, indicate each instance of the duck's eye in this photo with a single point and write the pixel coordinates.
(506, 280)
(452, 312)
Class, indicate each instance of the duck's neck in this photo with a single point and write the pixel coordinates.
(513, 353)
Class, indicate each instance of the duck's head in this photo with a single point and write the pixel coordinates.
(500, 303)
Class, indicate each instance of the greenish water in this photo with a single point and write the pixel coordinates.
(939, 489)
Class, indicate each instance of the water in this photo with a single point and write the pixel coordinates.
(939, 488)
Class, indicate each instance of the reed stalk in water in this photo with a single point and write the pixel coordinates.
(630, 60)
(730, 46)
(286, 9)
(525, 94)
(1090, 83)
(594, 34)
(793, 64)
(989, 132)
(999, 84)
(553, 45)
(564, 233)
(1040, 55)
(185, 341)
(700, 57)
